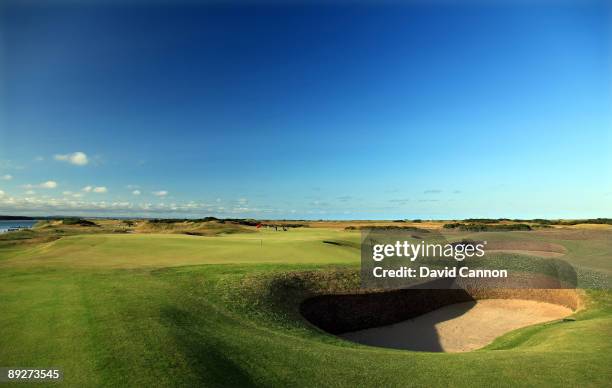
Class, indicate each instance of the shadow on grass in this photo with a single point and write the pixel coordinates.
(205, 357)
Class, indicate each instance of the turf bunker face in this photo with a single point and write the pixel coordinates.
(445, 320)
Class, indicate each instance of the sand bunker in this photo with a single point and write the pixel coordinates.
(460, 327)
(437, 320)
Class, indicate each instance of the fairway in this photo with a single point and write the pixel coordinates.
(167, 250)
(177, 310)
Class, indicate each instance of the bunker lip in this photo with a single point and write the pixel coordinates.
(436, 315)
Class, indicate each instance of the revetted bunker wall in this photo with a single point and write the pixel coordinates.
(341, 313)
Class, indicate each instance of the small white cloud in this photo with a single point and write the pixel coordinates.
(1, 193)
(30, 192)
(39, 159)
(136, 192)
(48, 185)
(161, 193)
(87, 189)
(71, 194)
(44, 185)
(6, 177)
(100, 189)
(76, 158)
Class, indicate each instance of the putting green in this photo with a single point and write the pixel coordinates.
(166, 250)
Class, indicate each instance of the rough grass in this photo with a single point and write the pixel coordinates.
(176, 310)
(585, 249)
(195, 228)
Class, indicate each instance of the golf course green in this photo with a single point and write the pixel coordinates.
(153, 309)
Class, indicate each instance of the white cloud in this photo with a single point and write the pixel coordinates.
(76, 158)
(47, 204)
(70, 203)
(1, 193)
(98, 189)
(43, 185)
(6, 177)
(48, 185)
(161, 193)
(136, 192)
(30, 192)
(71, 194)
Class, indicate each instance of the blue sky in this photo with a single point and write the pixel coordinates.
(351, 111)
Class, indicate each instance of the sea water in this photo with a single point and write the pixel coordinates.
(5, 225)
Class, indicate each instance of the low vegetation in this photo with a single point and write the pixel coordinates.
(387, 227)
(485, 220)
(594, 221)
(78, 222)
(486, 227)
(540, 221)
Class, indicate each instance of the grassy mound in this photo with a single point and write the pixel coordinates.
(192, 227)
(78, 222)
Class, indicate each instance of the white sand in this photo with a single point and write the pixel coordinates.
(460, 327)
